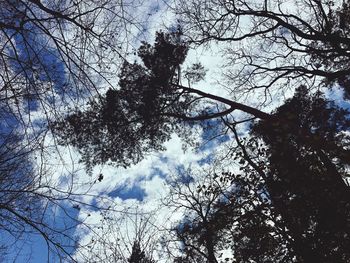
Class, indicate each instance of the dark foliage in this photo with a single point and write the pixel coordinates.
(298, 209)
(138, 256)
(129, 122)
(305, 214)
(308, 155)
(239, 219)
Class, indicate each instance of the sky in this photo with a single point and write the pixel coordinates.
(124, 192)
(142, 186)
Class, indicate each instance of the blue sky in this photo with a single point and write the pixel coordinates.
(141, 188)
(144, 183)
(38, 63)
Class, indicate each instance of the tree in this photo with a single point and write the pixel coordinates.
(308, 156)
(52, 55)
(137, 255)
(128, 236)
(27, 194)
(149, 106)
(152, 103)
(226, 217)
(303, 182)
(69, 45)
(197, 235)
(281, 43)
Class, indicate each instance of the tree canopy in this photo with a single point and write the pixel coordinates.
(306, 170)
(305, 162)
(284, 196)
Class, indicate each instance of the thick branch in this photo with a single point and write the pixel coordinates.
(315, 36)
(234, 105)
(200, 117)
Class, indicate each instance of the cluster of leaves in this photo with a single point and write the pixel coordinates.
(138, 256)
(307, 167)
(126, 123)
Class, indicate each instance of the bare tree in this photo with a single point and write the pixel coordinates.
(53, 55)
(220, 210)
(131, 236)
(273, 46)
(61, 50)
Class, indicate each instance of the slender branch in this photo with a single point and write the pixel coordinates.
(244, 151)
